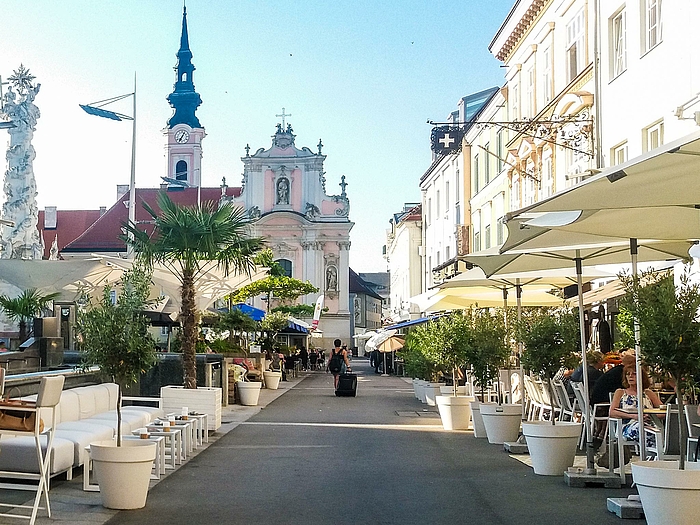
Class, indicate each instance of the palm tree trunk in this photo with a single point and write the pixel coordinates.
(189, 330)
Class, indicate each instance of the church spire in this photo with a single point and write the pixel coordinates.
(184, 99)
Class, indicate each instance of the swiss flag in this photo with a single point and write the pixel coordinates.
(446, 139)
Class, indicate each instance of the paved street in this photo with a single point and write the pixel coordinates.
(312, 458)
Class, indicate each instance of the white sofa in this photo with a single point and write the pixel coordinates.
(84, 414)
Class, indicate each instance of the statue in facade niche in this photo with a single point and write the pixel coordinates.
(283, 191)
(332, 279)
(20, 241)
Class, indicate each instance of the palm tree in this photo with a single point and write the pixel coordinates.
(188, 241)
(25, 307)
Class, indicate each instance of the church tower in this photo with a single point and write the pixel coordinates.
(184, 132)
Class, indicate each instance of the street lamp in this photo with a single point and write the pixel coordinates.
(96, 108)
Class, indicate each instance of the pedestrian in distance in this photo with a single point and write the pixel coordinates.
(338, 363)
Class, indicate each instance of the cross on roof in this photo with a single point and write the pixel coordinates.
(283, 115)
(343, 184)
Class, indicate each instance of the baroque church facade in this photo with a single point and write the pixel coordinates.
(283, 193)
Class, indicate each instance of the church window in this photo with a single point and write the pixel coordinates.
(286, 265)
(181, 170)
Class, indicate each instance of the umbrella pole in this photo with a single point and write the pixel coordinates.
(519, 309)
(634, 250)
(589, 417)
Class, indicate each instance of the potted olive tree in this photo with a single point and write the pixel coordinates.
(416, 365)
(669, 336)
(445, 342)
(489, 353)
(551, 340)
(114, 336)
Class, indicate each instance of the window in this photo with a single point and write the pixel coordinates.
(476, 227)
(546, 178)
(487, 163)
(499, 151)
(487, 225)
(547, 75)
(530, 93)
(652, 24)
(515, 194)
(514, 106)
(575, 46)
(618, 41)
(476, 174)
(653, 136)
(181, 170)
(437, 204)
(618, 154)
(286, 265)
(447, 253)
(447, 196)
(498, 203)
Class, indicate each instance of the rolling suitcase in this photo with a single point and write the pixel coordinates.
(347, 385)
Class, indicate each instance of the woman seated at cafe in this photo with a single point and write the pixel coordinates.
(625, 403)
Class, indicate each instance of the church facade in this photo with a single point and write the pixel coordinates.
(284, 194)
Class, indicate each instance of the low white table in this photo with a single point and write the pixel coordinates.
(173, 440)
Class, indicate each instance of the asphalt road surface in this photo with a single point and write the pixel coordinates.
(379, 458)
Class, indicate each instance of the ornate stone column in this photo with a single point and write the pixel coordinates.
(344, 277)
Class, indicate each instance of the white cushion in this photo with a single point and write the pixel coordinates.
(86, 401)
(18, 454)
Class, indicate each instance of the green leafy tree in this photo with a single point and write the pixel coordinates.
(115, 337)
(188, 241)
(234, 322)
(276, 285)
(272, 324)
(552, 342)
(23, 308)
(669, 330)
(415, 362)
(445, 342)
(489, 351)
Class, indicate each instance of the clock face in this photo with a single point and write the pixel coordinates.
(182, 136)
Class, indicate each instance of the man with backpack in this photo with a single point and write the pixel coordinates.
(338, 363)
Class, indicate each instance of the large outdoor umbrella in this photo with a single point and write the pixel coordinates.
(655, 195)
(391, 345)
(575, 250)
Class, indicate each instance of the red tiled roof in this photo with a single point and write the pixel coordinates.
(103, 235)
(70, 224)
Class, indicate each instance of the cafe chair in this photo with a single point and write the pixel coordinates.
(616, 440)
(667, 442)
(598, 413)
(692, 419)
(48, 397)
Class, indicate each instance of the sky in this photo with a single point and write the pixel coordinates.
(364, 77)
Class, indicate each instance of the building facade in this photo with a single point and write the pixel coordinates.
(403, 257)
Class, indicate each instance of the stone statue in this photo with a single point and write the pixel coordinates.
(53, 251)
(332, 279)
(20, 241)
(312, 211)
(283, 191)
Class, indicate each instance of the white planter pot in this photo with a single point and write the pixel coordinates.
(477, 421)
(455, 412)
(249, 392)
(272, 379)
(668, 495)
(552, 447)
(502, 422)
(449, 390)
(123, 473)
(432, 390)
(203, 399)
(420, 390)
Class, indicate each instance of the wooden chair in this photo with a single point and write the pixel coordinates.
(48, 397)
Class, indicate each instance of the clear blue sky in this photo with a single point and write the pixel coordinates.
(362, 76)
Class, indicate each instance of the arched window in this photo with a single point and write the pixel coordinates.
(181, 170)
(286, 266)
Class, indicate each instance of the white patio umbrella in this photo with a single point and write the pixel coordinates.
(655, 195)
(574, 250)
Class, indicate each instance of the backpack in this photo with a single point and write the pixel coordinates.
(336, 362)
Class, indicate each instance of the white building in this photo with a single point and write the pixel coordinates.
(649, 75)
(403, 249)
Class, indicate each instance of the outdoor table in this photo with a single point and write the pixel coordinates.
(202, 427)
(173, 438)
(187, 428)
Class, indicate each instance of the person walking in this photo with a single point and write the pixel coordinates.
(304, 355)
(338, 363)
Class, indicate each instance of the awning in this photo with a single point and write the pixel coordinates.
(256, 314)
(296, 326)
